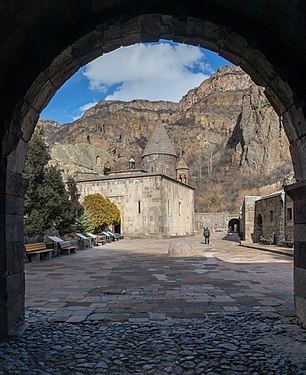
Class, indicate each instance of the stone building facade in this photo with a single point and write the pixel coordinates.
(268, 218)
(151, 205)
(247, 218)
(152, 202)
(273, 219)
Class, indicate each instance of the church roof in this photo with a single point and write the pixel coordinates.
(159, 142)
(182, 164)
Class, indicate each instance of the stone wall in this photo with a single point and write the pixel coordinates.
(273, 218)
(178, 203)
(217, 221)
(247, 221)
(151, 205)
(160, 163)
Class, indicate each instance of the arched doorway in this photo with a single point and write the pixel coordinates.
(45, 44)
(258, 228)
(234, 226)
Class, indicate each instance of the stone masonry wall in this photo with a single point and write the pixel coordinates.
(277, 218)
(160, 163)
(217, 221)
(178, 203)
(247, 221)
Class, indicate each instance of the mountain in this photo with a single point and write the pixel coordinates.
(230, 136)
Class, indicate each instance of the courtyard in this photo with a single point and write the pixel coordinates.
(128, 308)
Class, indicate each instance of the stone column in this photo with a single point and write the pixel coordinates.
(297, 192)
(12, 281)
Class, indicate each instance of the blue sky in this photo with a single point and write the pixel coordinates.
(153, 71)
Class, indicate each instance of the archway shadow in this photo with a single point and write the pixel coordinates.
(231, 237)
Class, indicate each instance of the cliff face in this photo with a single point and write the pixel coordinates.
(225, 126)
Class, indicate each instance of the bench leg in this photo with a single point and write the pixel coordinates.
(35, 258)
(47, 255)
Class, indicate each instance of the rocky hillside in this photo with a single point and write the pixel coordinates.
(230, 135)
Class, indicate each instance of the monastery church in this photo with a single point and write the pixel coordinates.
(154, 201)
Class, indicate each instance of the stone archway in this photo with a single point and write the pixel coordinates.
(234, 226)
(258, 228)
(44, 44)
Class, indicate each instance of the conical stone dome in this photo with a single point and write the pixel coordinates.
(182, 164)
(159, 142)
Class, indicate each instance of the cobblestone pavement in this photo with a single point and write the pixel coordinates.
(128, 308)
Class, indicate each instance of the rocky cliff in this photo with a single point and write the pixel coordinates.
(225, 127)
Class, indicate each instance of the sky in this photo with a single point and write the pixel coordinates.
(153, 71)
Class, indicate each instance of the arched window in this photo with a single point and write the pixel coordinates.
(98, 161)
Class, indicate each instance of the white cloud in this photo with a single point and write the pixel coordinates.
(148, 71)
(84, 107)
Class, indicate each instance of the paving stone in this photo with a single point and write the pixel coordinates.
(138, 323)
(98, 316)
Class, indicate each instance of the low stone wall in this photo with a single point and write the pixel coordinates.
(217, 221)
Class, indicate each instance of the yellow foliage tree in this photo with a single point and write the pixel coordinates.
(101, 211)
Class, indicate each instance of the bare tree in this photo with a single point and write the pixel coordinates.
(211, 157)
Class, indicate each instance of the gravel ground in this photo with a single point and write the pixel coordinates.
(227, 343)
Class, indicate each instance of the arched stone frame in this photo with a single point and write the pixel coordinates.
(44, 45)
(234, 225)
(98, 161)
(258, 228)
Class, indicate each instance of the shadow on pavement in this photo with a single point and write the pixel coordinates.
(231, 237)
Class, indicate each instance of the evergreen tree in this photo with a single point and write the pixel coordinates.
(57, 207)
(84, 223)
(47, 202)
(35, 168)
(76, 208)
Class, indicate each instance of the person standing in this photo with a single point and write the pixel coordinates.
(206, 234)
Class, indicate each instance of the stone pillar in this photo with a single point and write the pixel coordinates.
(12, 281)
(297, 192)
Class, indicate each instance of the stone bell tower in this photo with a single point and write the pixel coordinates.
(159, 155)
(182, 171)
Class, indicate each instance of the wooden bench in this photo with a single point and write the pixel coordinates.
(37, 251)
(101, 239)
(118, 236)
(113, 236)
(268, 241)
(287, 244)
(108, 237)
(67, 247)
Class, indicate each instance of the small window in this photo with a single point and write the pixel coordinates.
(98, 160)
(139, 207)
(180, 208)
(271, 215)
(152, 169)
(289, 214)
